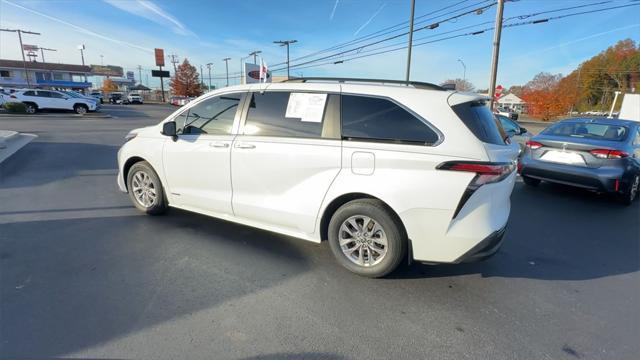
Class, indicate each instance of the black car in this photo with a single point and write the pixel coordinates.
(598, 154)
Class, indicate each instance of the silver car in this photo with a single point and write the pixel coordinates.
(517, 133)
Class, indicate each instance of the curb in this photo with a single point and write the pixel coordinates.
(54, 115)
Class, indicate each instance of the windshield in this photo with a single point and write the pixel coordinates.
(589, 131)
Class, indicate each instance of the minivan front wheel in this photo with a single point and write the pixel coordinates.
(366, 238)
(145, 189)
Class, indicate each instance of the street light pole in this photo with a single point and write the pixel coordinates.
(464, 73)
(24, 61)
(209, 67)
(286, 43)
(81, 48)
(413, 7)
(226, 63)
(496, 52)
(255, 53)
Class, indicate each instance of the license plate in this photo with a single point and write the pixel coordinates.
(563, 157)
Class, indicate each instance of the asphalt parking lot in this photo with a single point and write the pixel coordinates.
(83, 274)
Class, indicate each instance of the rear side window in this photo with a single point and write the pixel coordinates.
(589, 130)
(479, 119)
(381, 119)
(268, 112)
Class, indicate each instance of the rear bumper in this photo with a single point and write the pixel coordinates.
(485, 249)
(598, 179)
(474, 234)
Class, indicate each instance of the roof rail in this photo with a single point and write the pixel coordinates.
(416, 84)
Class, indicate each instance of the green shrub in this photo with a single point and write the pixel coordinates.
(15, 107)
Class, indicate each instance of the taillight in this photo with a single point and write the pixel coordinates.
(486, 173)
(608, 154)
(533, 145)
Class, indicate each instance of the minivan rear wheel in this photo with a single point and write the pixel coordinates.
(145, 189)
(366, 237)
(80, 109)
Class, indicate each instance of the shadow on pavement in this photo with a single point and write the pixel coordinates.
(554, 233)
(43, 162)
(69, 284)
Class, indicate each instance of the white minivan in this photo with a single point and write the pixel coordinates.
(383, 170)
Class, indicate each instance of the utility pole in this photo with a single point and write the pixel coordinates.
(496, 53)
(140, 73)
(209, 67)
(464, 73)
(81, 48)
(201, 75)
(24, 62)
(42, 51)
(286, 43)
(255, 53)
(413, 7)
(174, 61)
(226, 62)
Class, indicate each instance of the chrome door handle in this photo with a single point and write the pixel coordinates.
(219, 144)
(245, 146)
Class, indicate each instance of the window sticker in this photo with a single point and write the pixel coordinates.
(306, 107)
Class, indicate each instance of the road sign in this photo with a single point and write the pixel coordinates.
(130, 76)
(499, 90)
(27, 47)
(160, 73)
(159, 57)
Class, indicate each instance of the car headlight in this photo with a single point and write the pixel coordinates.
(130, 136)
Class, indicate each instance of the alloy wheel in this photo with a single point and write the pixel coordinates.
(634, 187)
(143, 188)
(363, 240)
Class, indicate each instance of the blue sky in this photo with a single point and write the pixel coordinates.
(126, 31)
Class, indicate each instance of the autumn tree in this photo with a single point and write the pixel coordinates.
(461, 84)
(541, 96)
(109, 86)
(185, 81)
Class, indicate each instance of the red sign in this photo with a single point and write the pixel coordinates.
(159, 57)
(498, 92)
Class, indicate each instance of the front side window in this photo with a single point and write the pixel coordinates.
(286, 114)
(30, 93)
(211, 116)
(381, 119)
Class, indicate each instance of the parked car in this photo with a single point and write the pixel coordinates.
(598, 154)
(134, 98)
(35, 100)
(179, 100)
(507, 112)
(517, 133)
(117, 98)
(98, 95)
(78, 95)
(384, 171)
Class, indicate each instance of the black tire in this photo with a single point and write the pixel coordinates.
(80, 109)
(30, 108)
(159, 204)
(530, 181)
(631, 193)
(396, 237)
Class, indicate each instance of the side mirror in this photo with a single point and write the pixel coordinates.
(522, 130)
(169, 129)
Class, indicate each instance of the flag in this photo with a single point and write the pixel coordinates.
(264, 71)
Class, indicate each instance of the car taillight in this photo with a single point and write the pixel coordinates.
(608, 154)
(486, 173)
(533, 145)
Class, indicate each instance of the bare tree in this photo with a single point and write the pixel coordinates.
(461, 84)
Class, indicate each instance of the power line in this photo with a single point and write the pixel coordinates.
(523, 23)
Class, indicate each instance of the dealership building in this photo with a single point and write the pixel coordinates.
(43, 75)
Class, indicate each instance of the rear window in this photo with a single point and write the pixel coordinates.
(589, 131)
(479, 119)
